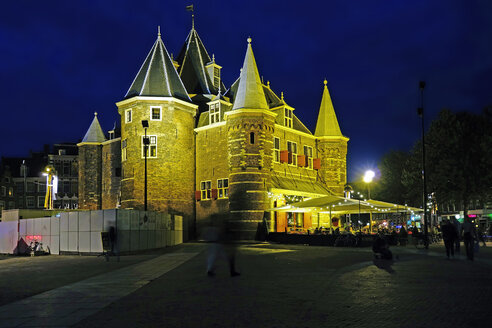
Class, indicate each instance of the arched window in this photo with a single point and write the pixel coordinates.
(252, 138)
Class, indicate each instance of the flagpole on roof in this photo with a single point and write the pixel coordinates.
(190, 8)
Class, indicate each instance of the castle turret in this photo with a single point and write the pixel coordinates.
(250, 127)
(90, 167)
(331, 145)
(158, 96)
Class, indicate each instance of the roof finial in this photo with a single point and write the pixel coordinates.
(249, 40)
(282, 96)
(158, 31)
(213, 58)
(325, 82)
(268, 83)
(262, 79)
(95, 113)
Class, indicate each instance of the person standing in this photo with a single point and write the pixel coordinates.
(469, 235)
(457, 226)
(448, 235)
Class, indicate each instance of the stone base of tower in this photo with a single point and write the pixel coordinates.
(247, 225)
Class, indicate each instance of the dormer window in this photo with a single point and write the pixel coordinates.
(214, 72)
(288, 117)
(214, 113)
(216, 76)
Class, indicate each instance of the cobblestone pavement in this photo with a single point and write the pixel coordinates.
(303, 286)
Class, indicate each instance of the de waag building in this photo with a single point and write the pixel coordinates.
(238, 151)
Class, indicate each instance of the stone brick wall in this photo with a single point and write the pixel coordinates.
(111, 173)
(249, 165)
(90, 176)
(171, 174)
(294, 171)
(211, 165)
(333, 154)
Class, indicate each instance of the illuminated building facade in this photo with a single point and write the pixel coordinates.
(239, 151)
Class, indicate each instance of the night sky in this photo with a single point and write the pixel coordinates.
(60, 61)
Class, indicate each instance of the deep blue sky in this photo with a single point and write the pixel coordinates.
(62, 60)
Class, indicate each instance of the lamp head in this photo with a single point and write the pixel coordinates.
(145, 124)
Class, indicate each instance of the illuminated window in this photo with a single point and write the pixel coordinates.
(276, 150)
(11, 192)
(123, 150)
(128, 116)
(30, 202)
(288, 117)
(155, 113)
(292, 149)
(223, 188)
(308, 151)
(151, 147)
(206, 189)
(214, 113)
(295, 219)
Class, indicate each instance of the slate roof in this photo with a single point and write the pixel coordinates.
(94, 133)
(271, 98)
(250, 92)
(158, 76)
(192, 60)
(327, 124)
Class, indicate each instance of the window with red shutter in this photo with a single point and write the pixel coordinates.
(284, 156)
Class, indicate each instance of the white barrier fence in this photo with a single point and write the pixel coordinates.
(80, 231)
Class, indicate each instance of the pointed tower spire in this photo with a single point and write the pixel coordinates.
(250, 91)
(158, 76)
(327, 124)
(94, 133)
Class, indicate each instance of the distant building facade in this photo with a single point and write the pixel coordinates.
(25, 186)
(239, 151)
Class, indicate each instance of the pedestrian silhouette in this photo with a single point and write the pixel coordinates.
(222, 244)
(449, 236)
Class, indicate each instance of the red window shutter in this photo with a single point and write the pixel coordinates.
(316, 163)
(284, 156)
(198, 195)
(214, 193)
(301, 160)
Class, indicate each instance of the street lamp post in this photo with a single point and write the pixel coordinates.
(420, 111)
(146, 142)
(368, 176)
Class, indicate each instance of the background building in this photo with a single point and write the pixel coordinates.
(239, 151)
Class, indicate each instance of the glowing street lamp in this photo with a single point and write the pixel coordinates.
(368, 176)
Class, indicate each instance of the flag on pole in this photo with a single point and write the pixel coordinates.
(189, 8)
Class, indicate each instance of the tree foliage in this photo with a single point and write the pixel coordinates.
(458, 163)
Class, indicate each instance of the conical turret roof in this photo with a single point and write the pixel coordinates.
(250, 90)
(94, 133)
(327, 124)
(192, 60)
(158, 76)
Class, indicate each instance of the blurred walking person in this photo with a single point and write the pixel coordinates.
(449, 236)
(469, 235)
(457, 226)
(222, 245)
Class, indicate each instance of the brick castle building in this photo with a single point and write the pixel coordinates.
(239, 151)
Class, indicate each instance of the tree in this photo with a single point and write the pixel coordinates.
(390, 187)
